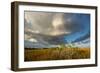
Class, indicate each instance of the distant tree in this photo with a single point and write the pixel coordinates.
(71, 45)
(63, 46)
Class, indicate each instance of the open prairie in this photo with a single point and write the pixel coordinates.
(31, 54)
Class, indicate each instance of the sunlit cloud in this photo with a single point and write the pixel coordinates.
(58, 25)
(33, 40)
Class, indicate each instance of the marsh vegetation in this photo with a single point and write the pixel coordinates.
(59, 53)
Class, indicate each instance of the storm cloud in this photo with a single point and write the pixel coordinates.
(51, 28)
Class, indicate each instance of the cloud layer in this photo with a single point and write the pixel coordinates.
(48, 28)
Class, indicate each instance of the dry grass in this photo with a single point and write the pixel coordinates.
(56, 54)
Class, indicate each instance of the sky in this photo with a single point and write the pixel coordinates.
(43, 29)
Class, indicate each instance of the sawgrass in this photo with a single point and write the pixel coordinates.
(56, 53)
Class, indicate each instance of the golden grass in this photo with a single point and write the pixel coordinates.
(56, 54)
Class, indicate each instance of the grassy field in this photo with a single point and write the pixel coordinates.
(56, 54)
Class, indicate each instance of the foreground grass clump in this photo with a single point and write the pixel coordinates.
(60, 53)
